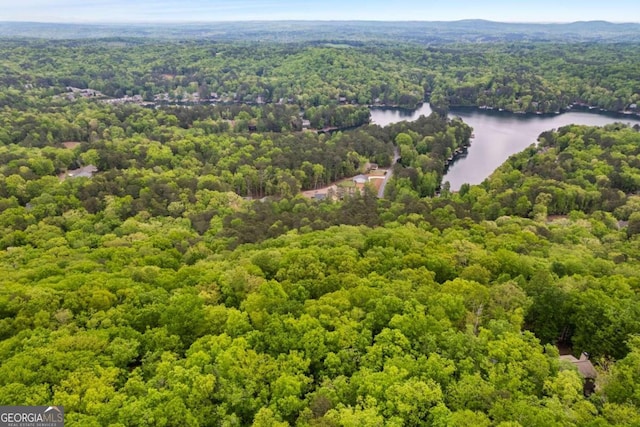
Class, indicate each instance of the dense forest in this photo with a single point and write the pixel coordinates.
(421, 311)
(422, 32)
(518, 77)
(159, 265)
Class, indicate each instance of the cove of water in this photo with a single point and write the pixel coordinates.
(498, 135)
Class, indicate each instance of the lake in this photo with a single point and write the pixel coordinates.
(386, 115)
(498, 135)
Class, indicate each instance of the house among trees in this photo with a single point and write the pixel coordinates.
(86, 172)
(586, 369)
(360, 181)
(70, 145)
(85, 93)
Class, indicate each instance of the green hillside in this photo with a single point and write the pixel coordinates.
(161, 265)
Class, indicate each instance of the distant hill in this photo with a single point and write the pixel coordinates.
(293, 31)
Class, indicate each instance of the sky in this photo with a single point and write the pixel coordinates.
(115, 11)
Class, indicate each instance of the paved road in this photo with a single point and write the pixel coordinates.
(387, 177)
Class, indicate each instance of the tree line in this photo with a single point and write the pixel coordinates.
(518, 77)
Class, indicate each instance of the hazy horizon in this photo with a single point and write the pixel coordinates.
(187, 22)
(201, 11)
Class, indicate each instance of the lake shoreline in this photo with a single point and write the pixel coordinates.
(572, 108)
(499, 134)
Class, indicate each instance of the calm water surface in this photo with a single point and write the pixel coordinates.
(497, 135)
(385, 116)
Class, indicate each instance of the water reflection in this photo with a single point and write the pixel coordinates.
(497, 135)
